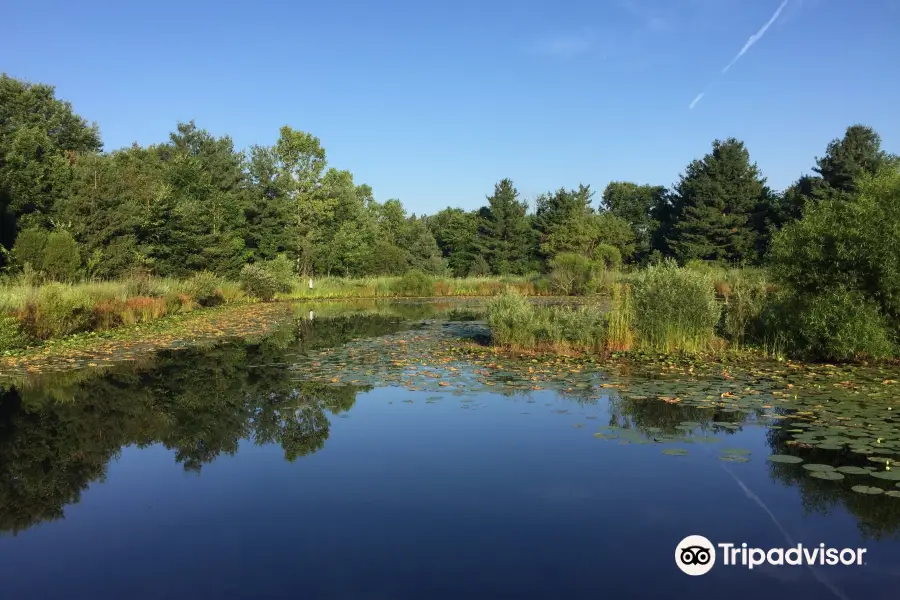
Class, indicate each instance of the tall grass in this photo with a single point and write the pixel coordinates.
(675, 309)
(621, 319)
(518, 324)
(33, 313)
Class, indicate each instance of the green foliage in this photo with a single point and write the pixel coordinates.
(837, 324)
(607, 256)
(713, 216)
(635, 205)
(414, 283)
(29, 248)
(747, 298)
(674, 309)
(203, 287)
(62, 258)
(282, 269)
(505, 234)
(259, 282)
(571, 273)
(11, 335)
(841, 250)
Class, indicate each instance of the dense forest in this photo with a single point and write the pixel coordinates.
(196, 203)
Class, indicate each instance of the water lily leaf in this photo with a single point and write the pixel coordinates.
(850, 470)
(785, 458)
(886, 475)
(675, 452)
(817, 467)
(735, 458)
(735, 451)
(892, 494)
(866, 489)
(828, 475)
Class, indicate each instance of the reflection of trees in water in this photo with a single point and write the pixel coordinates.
(58, 433)
(641, 414)
(877, 516)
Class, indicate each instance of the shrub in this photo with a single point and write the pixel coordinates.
(570, 273)
(414, 283)
(203, 287)
(62, 256)
(282, 269)
(609, 257)
(29, 248)
(674, 308)
(838, 325)
(57, 310)
(11, 335)
(259, 282)
(841, 251)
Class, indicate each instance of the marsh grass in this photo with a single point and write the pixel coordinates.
(517, 324)
(675, 309)
(33, 313)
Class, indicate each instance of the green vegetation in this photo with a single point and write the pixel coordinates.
(260, 223)
(675, 309)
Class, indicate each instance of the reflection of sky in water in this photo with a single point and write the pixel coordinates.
(426, 498)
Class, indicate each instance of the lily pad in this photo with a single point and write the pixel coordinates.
(735, 451)
(867, 489)
(886, 475)
(851, 470)
(892, 494)
(785, 458)
(675, 452)
(735, 458)
(828, 475)
(817, 467)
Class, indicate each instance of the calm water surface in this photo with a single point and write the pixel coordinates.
(244, 471)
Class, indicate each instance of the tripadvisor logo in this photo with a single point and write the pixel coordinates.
(696, 555)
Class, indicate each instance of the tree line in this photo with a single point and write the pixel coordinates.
(196, 203)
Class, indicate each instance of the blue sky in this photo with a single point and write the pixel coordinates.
(434, 101)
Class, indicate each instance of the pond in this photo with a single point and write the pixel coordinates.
(378, 450)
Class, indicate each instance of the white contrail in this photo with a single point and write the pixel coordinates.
(696, 100)
(756, 36)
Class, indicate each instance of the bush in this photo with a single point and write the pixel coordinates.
(837, 325)
(29, 248)
(282, 269)
(57, 310)
(674, 308)
(842, 251)
(11, 335)
(203, 287)
(570, 273)
(609, 257)
(414, 283)
(62, 256)
(259, 282)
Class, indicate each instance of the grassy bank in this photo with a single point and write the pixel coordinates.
(31, 314)
(413, 285)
